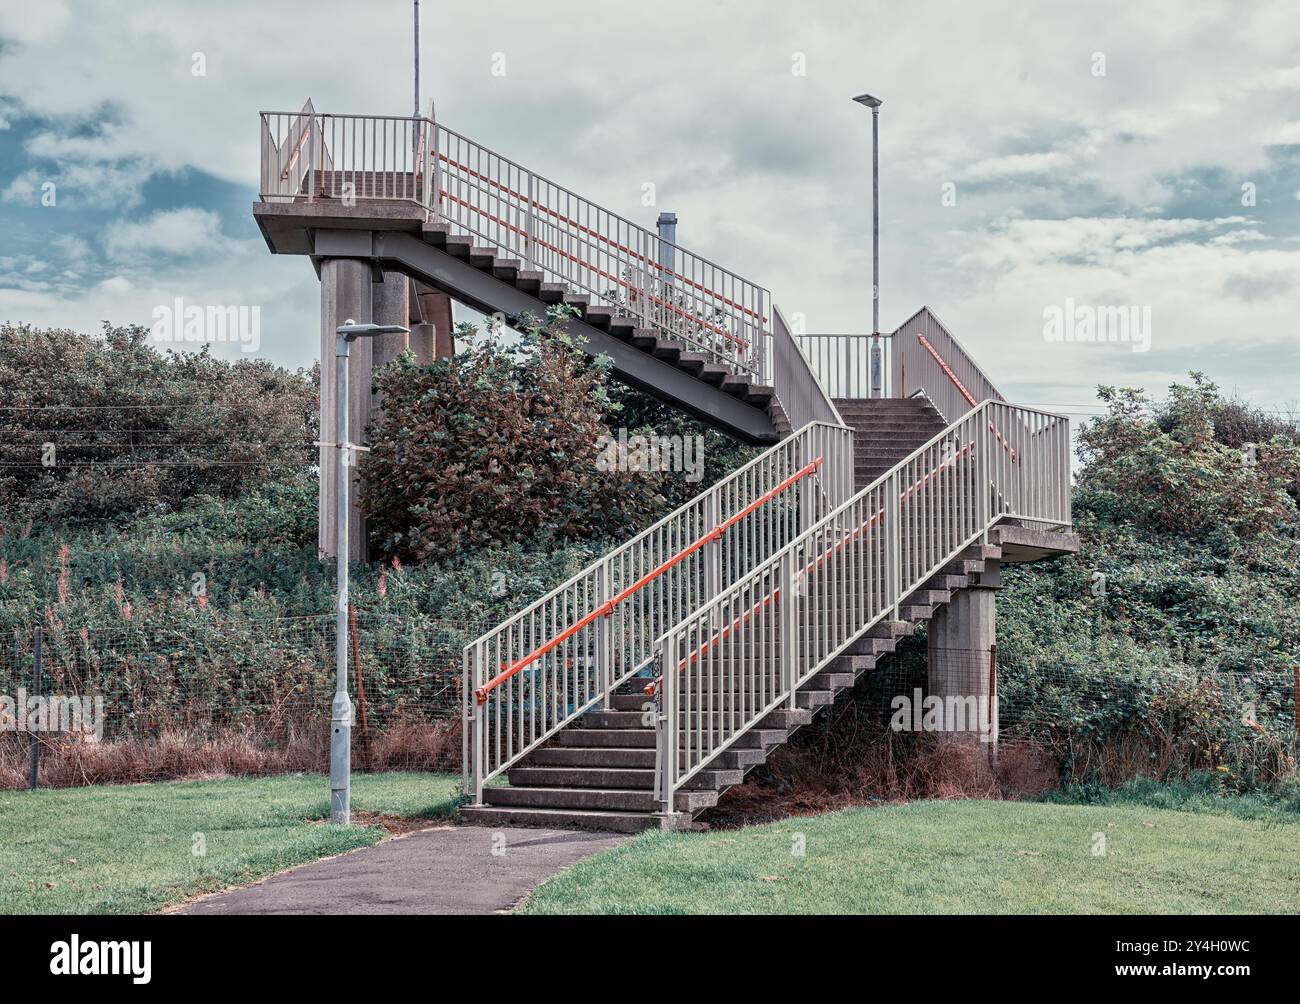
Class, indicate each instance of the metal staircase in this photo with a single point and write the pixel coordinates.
(632, 695)
(409, 194)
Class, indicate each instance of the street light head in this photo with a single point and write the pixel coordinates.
(351, 330)
(868, 100)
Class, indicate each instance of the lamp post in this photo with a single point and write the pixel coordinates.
(341, 709)
(416, 113)
(874, 105)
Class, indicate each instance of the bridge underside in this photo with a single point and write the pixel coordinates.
(372, 256)
(395, 237)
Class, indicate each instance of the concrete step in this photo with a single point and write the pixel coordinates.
(591, 756)
(644, 759)
(599, 316)
(827, 680)
(948, 582)
(611, 777)
(609, 799)
(617, 738)
(854, 663)
(567, 819)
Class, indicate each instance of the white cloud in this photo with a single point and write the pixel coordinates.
(73, 247)
(179, 232)
(768, 171)
(116, 284)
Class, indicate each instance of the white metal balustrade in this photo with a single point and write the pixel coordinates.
(843, 364)
(520, 214)
(927, 359)
(565, 653)
(747, 651)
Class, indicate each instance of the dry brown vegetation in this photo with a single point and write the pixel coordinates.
(407, 743)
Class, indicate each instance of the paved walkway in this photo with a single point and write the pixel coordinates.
(448, 869)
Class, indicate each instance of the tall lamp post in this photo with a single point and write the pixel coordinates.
(341, 710)
(874, 105)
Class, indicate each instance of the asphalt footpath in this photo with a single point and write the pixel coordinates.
(443, 870)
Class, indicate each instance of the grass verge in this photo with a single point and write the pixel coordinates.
(966, 856)
(136, 848)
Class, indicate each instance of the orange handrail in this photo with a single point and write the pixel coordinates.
(619, 280)
(965, 393)
(607, 608)
(599, 236)
(775, 595)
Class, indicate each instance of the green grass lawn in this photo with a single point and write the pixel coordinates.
(135, 848)
(948, 857)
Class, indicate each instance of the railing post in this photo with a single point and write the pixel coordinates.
(713, 549)
(466, 720)
(807, 485)
(982, 469)
(789, 620)
(435, 195)
(665, 667)
(894, 576)
(312, 132)
(530, 224)
(643, 279)
(604, 637)
(478, 722)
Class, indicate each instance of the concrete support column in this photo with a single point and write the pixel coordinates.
(433, 339)
(961, 643)
(345, 291)
(392, 305)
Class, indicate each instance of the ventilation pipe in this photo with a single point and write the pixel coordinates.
(667, 224)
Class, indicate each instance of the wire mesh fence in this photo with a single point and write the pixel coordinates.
(1095, 718)
(139, 703)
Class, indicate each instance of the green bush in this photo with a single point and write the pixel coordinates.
(95, 430)
(498, 443)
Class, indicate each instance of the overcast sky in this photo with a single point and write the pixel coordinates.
(1122, 187)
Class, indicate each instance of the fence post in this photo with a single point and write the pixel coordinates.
(36, 692)
(361, 688)
(1295, 697)
(993, 722)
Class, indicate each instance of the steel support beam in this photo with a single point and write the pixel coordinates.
(410, 254)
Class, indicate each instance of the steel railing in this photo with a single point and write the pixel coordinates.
(843, 364)
(927, 359)
(746, 652)
(565, 653)
(797, 384)
(476, 192)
